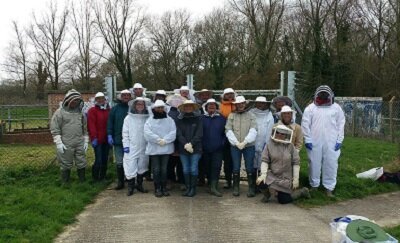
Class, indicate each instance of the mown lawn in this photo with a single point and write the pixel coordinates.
(34, 206)
(358, 155)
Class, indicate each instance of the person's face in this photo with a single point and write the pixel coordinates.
(280, 136)
(279, 105)
(159, 109)
(139, 106)
(159, 97)
(100, 100)
(286, 117)
(204, 96)
(188, 108)
(125, 98)
(229, 96)
(73, 104)
(323, 95)
(138, 92)
(241, 106)
(211, 108)
(262, 105)
(184, 93)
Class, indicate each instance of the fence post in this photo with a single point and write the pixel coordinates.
(353, 119)
(391, 125)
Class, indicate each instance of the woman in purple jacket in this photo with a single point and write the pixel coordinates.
(213, 143)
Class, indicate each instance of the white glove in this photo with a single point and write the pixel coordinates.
(296, 172)
(59, 144)
(189, 147)
(86, 143)
(263, 176)
(241, 145)
(161, 142)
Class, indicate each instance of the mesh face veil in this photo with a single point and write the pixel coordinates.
(282, 134)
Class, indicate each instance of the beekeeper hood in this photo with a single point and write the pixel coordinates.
(323, 96)
(73, 95)
(282, 134)
(133, 109)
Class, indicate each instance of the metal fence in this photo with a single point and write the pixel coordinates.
(25, 139)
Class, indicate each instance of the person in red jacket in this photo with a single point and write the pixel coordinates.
(97, 127)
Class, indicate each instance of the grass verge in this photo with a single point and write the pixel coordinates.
(394, 231)
(358, 155)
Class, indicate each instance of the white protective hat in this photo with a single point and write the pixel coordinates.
(125, 91)
(161, 92)
(188, 103)
(99, 94)
(158, 103)
(286, 108)
(262, 99)
(184, 88)
(138, 86)
(228, 91)
(282, 129)
(239, 99)
(210, 101)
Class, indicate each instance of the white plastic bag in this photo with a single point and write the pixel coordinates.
(373, 173)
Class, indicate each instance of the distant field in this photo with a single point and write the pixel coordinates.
(24, 117)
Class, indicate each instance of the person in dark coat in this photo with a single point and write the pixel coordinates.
(189, 134)
(213, 143)
(97, 128)
(114, 133)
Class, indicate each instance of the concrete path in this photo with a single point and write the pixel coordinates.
(114, 217)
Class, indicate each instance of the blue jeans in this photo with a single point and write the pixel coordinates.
(119, 155)
(248, 155)
(190, 163)
(213, 163)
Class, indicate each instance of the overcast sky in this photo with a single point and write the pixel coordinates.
(21, 11)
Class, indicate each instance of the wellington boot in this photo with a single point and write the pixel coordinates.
(236, 183)
(131, 187)
(139, 185)
(120, 177)
(266, 196)
(214, 189)
(187, 184)
(157, 190)
(252, 186)
(164, 189)
(81, 175)
(193, 185)
(65, 176)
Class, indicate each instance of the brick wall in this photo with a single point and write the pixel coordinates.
(27, 138)
(54, 98)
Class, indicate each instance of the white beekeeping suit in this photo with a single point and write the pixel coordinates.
(323, 127)
(265, 122)
(135, 161)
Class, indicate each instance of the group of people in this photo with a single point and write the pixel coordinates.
(186, 137)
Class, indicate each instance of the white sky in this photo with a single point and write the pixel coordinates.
(21, 11)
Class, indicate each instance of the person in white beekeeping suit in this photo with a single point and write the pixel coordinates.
(323, 127)
(135, 160)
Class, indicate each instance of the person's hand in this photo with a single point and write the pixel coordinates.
(85, 142)
(308, 146)
(189, 147)
(126, 150)
(161, 142)
(61, 148)
(241, 146)
(110, 140)
(261, 178)
(95, 143)
(338, 146)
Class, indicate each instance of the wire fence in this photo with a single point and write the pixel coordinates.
(25, 139)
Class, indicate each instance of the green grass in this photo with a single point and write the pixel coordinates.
(25, 117)
(394, 231)
(34, 207)
(358, 155)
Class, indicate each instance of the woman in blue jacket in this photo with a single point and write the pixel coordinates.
(213, 143)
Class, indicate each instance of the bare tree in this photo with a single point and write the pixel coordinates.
(265, 18)
(48, 34)
(84, 32)
(16, 62)
(120, 24)
(168, 37)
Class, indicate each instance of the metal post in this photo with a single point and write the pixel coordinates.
(391, 119)
(353, 119)
(282, 82)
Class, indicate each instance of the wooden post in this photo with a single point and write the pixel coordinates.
(391, 124)
(353, 119)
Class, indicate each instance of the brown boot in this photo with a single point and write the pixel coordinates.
(301, 193)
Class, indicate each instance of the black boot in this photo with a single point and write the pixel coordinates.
(102, 173)
(157, 190)
(187, 184)
(131, 186)
(236, 182)
(193, 185)
(164, 190)
(121, 178)
(95, 173)
(214, 188)
(228, 178)
(266, 196)
(81, 174)
(139, 186)
(251, 192)
(65, 175)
